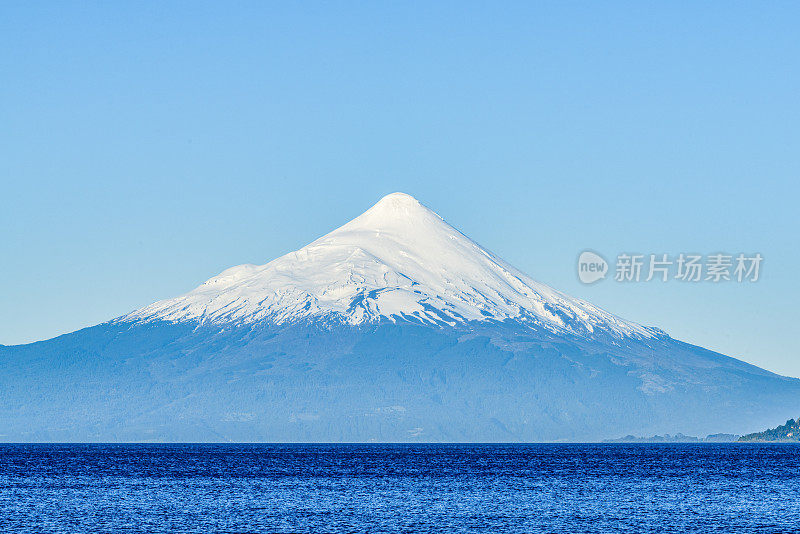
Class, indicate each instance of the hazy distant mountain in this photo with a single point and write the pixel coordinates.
(394, 327)
(677, 438)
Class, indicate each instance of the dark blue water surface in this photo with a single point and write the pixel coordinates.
(400, 488)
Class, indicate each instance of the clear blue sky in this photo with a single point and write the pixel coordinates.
(146, 147)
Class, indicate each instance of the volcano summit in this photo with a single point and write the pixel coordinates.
(399, 261)
(393, 327)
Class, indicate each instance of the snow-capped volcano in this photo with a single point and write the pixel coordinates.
(398, 261)
(395, 327)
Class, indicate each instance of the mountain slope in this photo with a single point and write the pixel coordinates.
(394, 327)
(375, 382)
(397, 261)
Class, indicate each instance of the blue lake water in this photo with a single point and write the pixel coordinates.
(400, 488)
